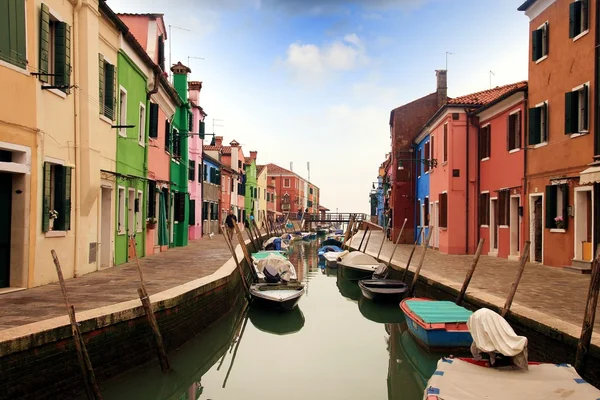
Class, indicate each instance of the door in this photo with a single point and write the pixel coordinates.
(538, 229)
(494, 225)
(106, 228)
(130, 223)
(436, 225)
(5, 227)
(515, 226)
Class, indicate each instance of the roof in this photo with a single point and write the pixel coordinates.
(503, 97)
(525, 6)
(273, 169)
(259, 169)
(321, 208)
(207, 147)
(211, 159)
(485, 97)
(226, 149)
(248, 160)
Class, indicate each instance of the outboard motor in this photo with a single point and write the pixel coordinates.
(271, 274)
(381, 272)
(277, 244)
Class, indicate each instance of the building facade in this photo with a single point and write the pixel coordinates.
(261, 184)
(422, 170)
(196, 140)
(251, 189)
(211, 202)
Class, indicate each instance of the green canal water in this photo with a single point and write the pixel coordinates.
(335, 345)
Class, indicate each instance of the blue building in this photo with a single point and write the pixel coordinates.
(211, 194)
(422, 206)
(380, 202)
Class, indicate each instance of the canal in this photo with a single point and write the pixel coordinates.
(335, 345)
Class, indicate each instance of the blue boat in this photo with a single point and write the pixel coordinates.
(327, 249)
(437, 325)
(332, 242)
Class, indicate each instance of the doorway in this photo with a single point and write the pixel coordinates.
(130, 222)
(106, 228)
(494, 226)
(5, 228)
(436, 225)
(515, 226)
(536, 218)
(583, 224)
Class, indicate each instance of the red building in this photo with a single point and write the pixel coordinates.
(405, 124)
(288, 188)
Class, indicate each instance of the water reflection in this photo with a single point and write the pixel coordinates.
(275, 322)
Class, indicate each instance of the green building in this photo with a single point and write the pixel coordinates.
(179, 210)
(132, 156)
(251, 196)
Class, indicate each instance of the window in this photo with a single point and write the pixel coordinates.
(286, 183)
(557, 204)
(55, 50)
(56, 197)
(514, 131)
(121, 204)
(538, 124)
(484, 209)
(576, 111)
(205, 211)
(138, 211)
(504, 208)
(201, 130)
(578, 18)
(122, 111)
(192, 216)
(426, 211)
(200, 172)
(192, 170)
(176, 144)
(485, 142)
(142, 126)
(445, 143)
(426, 156)
(190, 122)
(167, 136)
(108, 88)
(539, 42)
(419, 163)
(153, 128)
(13, 46)
(443, 199)
(151, 211)
(432, 150)
(161, 52)
(179, 204)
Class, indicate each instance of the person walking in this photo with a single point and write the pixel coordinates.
(230, 222)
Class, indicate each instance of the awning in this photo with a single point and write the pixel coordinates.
(590, 175)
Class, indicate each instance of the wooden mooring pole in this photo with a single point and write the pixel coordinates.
(583, 347)
(145, 299)
(363, 238)
(389, 264)
(243, 244)
(412, 252)
(237, 262)
(513, 288)
(385, 236)
(91, 386)
(418, 270)
(463, 290)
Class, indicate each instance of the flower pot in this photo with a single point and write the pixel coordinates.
(51, 224)
(151, 225)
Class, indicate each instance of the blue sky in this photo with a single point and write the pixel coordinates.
(314, 81)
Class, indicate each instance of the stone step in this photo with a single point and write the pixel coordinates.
(580, 267)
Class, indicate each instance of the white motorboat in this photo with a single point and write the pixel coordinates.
(357, 265)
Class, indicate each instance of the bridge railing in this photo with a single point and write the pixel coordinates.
(330, 217)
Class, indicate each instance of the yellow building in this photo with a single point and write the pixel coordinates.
(18, 145)
(261, 185)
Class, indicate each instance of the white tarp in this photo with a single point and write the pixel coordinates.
(333, 255)
(492, 334)
(278, 262)
(455, 379)
(358, 258)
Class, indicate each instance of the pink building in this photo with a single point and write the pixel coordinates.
(454, 197)
(501, 170)
(195, 145)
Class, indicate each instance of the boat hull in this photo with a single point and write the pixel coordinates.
(288, 301)
(355, 273)
(385, 294)
(331, 264)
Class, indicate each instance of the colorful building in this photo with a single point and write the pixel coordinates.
(272, 212)
(261, 184)
(500, 172)
(405, 124)
(179, 210)
(211, 181)
(196, 140)
(251, 197)
(562, 94)
(422, 169)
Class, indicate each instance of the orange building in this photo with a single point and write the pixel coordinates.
(560, 136)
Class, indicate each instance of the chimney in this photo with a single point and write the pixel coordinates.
(194, 88)
(180, 80)
(442, 86)
(253, 155)
(219, 141)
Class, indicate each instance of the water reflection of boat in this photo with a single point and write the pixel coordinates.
(277, 323)
(381, 313)
(383, 290)
(347, 288)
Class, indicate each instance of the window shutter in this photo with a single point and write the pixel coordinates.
(101, 84)
(153, 128)
(571, 112)
(109, 91)
(46, 199)
(181, 207)
(535, 125)
(192, 217)
(67, 198)
(62, 56)
(509, 136)
(550, 206)
(584, 108)
(445, 142)
(574, 18)
(536, 44)
(584, 15)
(151, 212)
(18, 46)
(201, 130)
(167, 136)
(161, 52)
(218, 177)
(488, 141)
(565, 204)
(44, 41)
(544, 131)
(545, 39)
(190, 122)
(517, 137)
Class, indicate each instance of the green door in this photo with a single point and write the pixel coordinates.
(5, 215)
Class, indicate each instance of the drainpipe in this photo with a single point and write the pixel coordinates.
(467, 187)
(596, 189)
(155, 88)
(478, 191)
(77, 134)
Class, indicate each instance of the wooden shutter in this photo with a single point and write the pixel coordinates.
(201, 129)
(535, 125)
(571, 112)
(44, 42)
(426, 157)
(584, 107)
(443, 198)
(509, 135)
(432, 149)
(190, 122)
(67, 198)
(217, 176)
(151, 212)
(179, 212)
(545, 39)
(488, 141)
(192, 216)
(574, 18)
(536, 44)
(517, 125)
(419, 162)
(584, 15)
(191, 170)
(109, 91)
(565, 205)
(17, 46)
(47, 185)
(101, 83)
(153, 128)
(5, 36)
(550, 206)
(161, 52)
(446, 142)
(167, 136)
(62, 56)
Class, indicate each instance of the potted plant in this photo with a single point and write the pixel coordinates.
(151, 223)
(52, 215)
(560, 223)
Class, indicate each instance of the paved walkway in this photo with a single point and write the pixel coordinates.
(114, 285)
(552, 291)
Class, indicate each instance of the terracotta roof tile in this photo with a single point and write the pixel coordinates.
(210, 148)
(259, 169)
(276, 169)
(226, 149)
(487, 96)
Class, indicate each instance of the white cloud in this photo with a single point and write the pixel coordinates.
(308, 62)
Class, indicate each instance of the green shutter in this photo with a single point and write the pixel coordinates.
(4, 31)
(151, 212)
(153, 128)
(536, 44)
(47, 185)
(201, 129)
(550, 206)
(13, 46)
(190, 122)
(62, 56)
(574, 18)
(161, 52)
(59, 197)
(167, 136)
(109, 91)
(565, 203)
(535, 125)
(218, 177)
(44, 41)
(67, 199)
(570, 116)
(584, 15)
(101, 84)
(192, 216)
(584, 108)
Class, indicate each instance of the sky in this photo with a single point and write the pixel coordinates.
(307, 81)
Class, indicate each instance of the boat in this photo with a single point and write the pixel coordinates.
(273, 267)
(328, 249)
(261, 255)
(383, 290)
(470, 379)
(312, 235)
(332, 242)
(276, 323)
(331, 258)
(322, 231)
(437, 325)
(305, 236)
(357, 265)
(380, 313)
(284, 296)
(275, 243)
